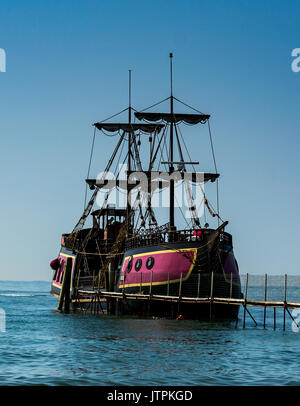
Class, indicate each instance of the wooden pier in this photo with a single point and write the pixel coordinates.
(118, 297)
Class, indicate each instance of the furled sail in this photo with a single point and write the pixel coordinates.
(162, 179)
(129, 127)
(173, 118)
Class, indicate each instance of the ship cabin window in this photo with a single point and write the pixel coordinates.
(129, 265)
(150, 263)
(109, 216)
(109, 221)
(138, 265)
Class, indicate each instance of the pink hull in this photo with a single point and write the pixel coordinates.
(168, 265)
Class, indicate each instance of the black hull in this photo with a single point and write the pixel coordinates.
(178, 310)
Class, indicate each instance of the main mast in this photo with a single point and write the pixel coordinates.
(129, 122)
(171, 158)
(129, 157)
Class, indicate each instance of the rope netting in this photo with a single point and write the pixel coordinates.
(272, 287)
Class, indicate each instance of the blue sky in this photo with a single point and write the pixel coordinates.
(67, 67)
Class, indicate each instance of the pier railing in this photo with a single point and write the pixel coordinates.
(275, 294)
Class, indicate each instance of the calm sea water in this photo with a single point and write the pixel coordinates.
(43, 347)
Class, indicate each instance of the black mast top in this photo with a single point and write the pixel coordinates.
(129, 155)
(171, 167)
(129, 121)
(173, 119)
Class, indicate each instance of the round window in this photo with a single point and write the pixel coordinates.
(138, 265)
(129, 265)
(150, 263)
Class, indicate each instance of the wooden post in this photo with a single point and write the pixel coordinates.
(274, 318)
(211, 285)
(245, 300)
(62, 293)
(291, 316)
(251, 316)
(91, 305)
(211, 295)
(110, 301)
(64, 297)
(122, 310)
(198, 288)
(68, 283)
(179, 293)
(110, 278)
(180, 286)
(115, 302)
(106, 281)
(265, 308)
(150, 290)
(284, 300)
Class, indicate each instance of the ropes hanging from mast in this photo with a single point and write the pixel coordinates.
(214, 158)
(171, 119)
(212, 150)
(89, 167)
(91, 202)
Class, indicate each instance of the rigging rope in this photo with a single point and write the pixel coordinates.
(153, 105)
(214, 158)
(114, 115)
(88, 208)
(89, 167)
(206, 202)
(180, 101)
(213, 153)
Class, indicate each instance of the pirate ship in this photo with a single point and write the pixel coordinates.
(128, 249)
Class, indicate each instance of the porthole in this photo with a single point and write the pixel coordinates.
(150, 263)
(129, 265)
(138, 265)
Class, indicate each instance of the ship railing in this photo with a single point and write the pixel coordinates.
(144, 240)
(162, 237)
(92, 246)
(157, 238)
